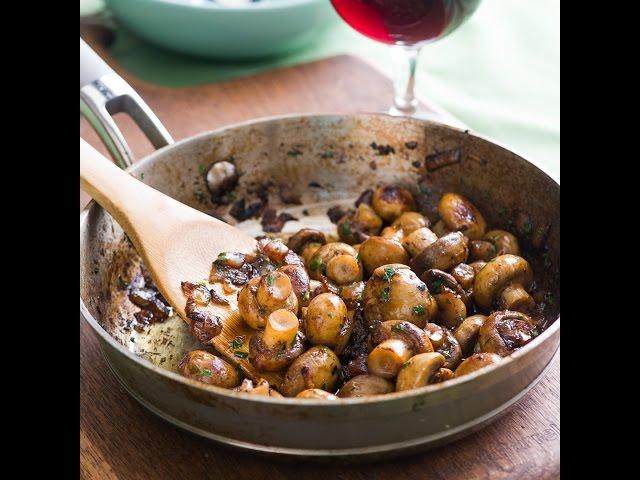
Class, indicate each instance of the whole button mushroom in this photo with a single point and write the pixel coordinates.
(306, 242)
(445, 343)
(279, 344)
(345, 267)
(505, 331)
(419, 371)
(459, 214)
(208, 368)
(449, 296)
(396, 342)
(409, 222)
(464, 275)
(356, 227)
(391, 201)
(377, 251)
(443, 254)
(467, 332)
(476, 362)
(395, 292)
(365, 386)
(316, 394)
(504, 282)
(419, 239)
(263, 295)
(503, 241)
(318, 367)
(299, 279)
(327, 322)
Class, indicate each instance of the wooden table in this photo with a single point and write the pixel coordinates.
(121, 439)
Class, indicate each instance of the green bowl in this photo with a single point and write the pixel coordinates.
(261, 29)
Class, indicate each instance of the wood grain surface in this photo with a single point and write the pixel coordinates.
(121, 439)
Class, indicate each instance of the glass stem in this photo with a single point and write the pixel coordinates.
(404, 60)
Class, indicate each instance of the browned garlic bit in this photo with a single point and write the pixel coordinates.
(397, 304)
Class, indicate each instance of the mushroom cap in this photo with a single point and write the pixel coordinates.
(267, 359)
(318, 367)
(304, 236)
(445, 343)
(443, 254)
(496, 275)
(419, 371)
(476, 362)
(377, 251)
(316, 394)
(322, 256)
(395, 292)
(459, 214)
(324, 320)
(364, 386)
(410, 221)
(415, 337)
(391, 201)
(505, 331)
(504, 242)
(209, 368)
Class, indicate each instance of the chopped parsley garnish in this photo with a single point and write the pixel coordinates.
(199, 195)
(459, 318)
(294, 152)
(202, 169)
(535, 332)
(141, 175)
(306, 296)
(327, 154)
(358, 257)
(419, 310)
(527, 227)
(270, 280)
(405, 364)
(205, 372)
(385, 294)
(436, 286)
(424, 189)
(548, 297)
(345, 229)
(240, 354)
(315, 264)
(389, 272)
(235, 344)
(546, 260)
(397, 328)
(446, 353)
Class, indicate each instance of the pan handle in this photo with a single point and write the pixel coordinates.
(104, 93)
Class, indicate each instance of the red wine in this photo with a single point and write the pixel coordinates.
(406, 22)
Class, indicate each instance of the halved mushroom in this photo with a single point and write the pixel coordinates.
(318, 367)
(445, 343)
(443, 254)
(391, 201)
(299, 280)
(279, 344)
(409, 222)
(377, 251)
(476, 362)
(327, 322)
(505, 331)
(343, 270)
(306, 242)
(459, 214)
(262, 388)
(356, 227)
(395, 292)
(419, 239)
(468, 331)
(504, 282)
(386, 359)
(503, 241)
(209, 368)
(263, 295)
(365, 386)
(316, 394)
(419, 371)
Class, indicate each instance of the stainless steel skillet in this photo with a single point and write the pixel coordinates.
(500, 182)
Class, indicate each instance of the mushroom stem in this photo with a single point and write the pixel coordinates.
(281, 327)
(387, 359)
(515, 297)
(273, 290)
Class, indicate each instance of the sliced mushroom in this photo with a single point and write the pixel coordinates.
(443, 254)
(476, 362)
(280, 343)
(262, 388)
(468, 331)
(356, 227)
(316, 394)
(391, 201)
(365, 386)
(419, 239)
(409, 222)
(419, 371)
(504, 282)
(318, 367)
(459, 214)
(503, 241)
(504, 332)
(208, 368)
(445, 343)
(395, 292)
(263, 295)
(327, 322)
(377, 251)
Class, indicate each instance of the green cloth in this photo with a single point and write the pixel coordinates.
(499, 73)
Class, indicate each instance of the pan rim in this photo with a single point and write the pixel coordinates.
(344, 402)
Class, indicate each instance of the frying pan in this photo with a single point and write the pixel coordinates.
(500, 182)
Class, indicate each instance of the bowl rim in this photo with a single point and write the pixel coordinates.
(212, 6)
(344, 402)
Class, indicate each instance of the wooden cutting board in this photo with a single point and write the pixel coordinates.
(121, 439)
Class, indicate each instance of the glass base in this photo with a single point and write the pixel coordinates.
(416, 112)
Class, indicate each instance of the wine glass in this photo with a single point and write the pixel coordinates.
(406, 25)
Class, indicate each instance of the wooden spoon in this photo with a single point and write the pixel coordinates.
(177, 243)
